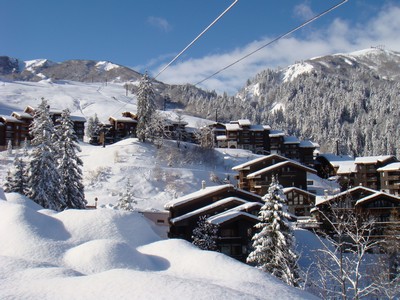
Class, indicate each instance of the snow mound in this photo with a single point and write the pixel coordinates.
(104, 254)
(296, 70)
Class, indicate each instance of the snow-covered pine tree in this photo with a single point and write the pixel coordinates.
(145, 107)
(205, 235)
(273, 244)
(43, 178)
(93, 126)
(16, 178)
(126, 199)
(69, 164)
(9, 148)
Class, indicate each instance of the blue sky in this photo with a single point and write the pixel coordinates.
(146, 35)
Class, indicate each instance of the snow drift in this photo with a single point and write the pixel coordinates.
(103, 253)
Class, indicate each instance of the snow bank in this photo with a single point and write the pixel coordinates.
(103, 254)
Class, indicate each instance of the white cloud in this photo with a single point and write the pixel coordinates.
(303, 11)
(339, 36)
(160, 23)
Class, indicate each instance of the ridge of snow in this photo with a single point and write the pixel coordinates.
(106, 65)
(295, 70)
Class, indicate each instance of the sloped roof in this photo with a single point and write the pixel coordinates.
(308, 144)
(349, 191)
(276, 133)
(123, 119)
(280, 165)
(10, 119)
(373, 159)
(197, 194)
(289, 189)
(291, 140)
(230, 215)
(244, 122)
(345, 164)
(22, 114)
(206, 208)
(257, 160)
(390, 167)
(233, 127)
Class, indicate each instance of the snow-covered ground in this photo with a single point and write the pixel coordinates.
(110, 254)
(106, 253)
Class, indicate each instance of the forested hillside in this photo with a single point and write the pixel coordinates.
(352, 99)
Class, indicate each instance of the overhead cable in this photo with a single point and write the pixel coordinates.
(276, 39)
(192, 42)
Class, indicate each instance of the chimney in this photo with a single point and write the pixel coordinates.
(203, 184)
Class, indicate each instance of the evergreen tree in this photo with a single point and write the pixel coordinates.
(43, 179)
(93, 126)
(273, 244)
(126, 199)
(205, 234)
(145, 107)
(16, 178)
(69, 164)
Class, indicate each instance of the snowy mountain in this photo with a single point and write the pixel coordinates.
(350, 98)
(75, 70)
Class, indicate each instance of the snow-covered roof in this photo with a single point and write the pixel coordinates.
(279, 165)
(376, 194)
(256, 160)
(344, 163)
(77, 118)
(289, 189)
(372, 159)
(229, 215)
(257, 128)
(202, 210)
(10, 119)
(221, 137)
(22, 114)
(197, 194)
(267, 127)
(276, 133)
(308, 144)
(390, 167)
(321, 200)
(291, 140)
(232, 127)
(123, 119)
(244, 122)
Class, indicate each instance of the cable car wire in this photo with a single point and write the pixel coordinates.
(276, 39)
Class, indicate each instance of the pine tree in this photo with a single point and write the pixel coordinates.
(93, 126)
(126, 200)
(274, 243)
(69, 163)
(43, 179)
(145, 107)
(205, 234)
(16, 178)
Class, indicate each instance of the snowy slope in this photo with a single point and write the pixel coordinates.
(104, 254)
(82, 99)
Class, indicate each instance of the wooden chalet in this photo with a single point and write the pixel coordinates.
(256, 175)
(367, 170)
(390, 178)
(10, 130)
(234, 210)
(300, 202)
(122, 127)
(340, 167)
(78, 121)
(365, 202)
(241, 134)
(26, 120)
(276, 139)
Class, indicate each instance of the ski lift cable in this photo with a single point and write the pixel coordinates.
(192, 42)
(276, 39)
